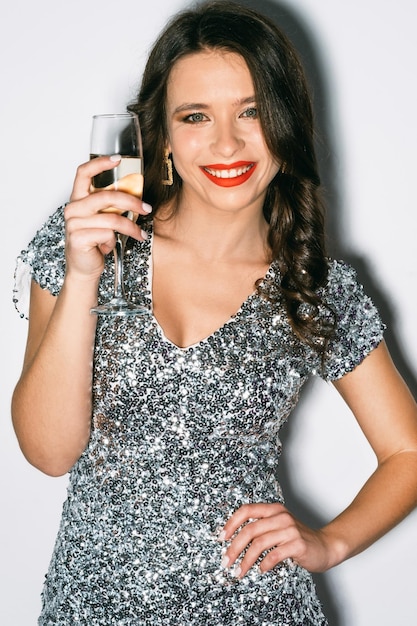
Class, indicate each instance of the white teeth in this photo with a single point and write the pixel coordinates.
(232, 173)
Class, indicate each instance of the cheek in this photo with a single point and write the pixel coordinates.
(271, 165)
(186, 153)
(187, 144)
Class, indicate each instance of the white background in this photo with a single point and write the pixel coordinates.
(63, 61)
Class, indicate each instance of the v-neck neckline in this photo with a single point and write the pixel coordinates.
(232, 319)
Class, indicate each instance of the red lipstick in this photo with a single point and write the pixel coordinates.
(215, 173)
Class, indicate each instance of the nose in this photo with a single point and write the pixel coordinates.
(226, 140)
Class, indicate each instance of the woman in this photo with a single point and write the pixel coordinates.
(168, 423)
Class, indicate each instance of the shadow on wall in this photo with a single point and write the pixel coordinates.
(327, 149)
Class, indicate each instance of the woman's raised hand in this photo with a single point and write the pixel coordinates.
(270, 530)
(90, 230)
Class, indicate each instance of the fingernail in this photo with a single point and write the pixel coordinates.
(221, 536)
(236, 571)
(146, 207)
(115, 157)
(144, 235)
(225, 561)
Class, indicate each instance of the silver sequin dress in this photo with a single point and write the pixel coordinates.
(180, 439)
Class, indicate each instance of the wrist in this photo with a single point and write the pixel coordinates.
(336, 547)
(80, 289)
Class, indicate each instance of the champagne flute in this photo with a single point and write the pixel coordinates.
(119, 133)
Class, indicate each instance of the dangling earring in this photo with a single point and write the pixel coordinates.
(168, 178)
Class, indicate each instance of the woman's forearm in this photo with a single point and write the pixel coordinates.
(385, 499)
(51, 405)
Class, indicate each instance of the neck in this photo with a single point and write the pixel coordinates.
(216, 235)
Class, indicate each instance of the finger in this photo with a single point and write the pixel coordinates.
(91, 239)
(273, 547)
(249, 512)
(113, 201)
(278, 555)
(251, 534)
(86, 171)
(105, 222)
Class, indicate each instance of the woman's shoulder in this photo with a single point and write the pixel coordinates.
(359, 327)
(43, 260)
(344, 289)
(50, 235)
(341, 275)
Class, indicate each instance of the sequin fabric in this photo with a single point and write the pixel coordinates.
(180, 439)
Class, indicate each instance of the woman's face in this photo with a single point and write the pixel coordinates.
(215, 135)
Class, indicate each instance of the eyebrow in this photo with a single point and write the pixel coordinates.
(187, 106)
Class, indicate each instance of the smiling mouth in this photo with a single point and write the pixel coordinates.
(229, 175)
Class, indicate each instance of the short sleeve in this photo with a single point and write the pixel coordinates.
(43, 261)
(359, 326)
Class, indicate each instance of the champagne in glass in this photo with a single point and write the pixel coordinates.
(119, 134)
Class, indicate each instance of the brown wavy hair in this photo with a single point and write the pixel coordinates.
(292, 206)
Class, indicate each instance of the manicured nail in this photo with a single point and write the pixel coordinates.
(225, 562)
(236, 571)
(146, 207)
(144, 235)
(221, 536)
(115, 157)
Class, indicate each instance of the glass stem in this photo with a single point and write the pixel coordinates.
(118, 253)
